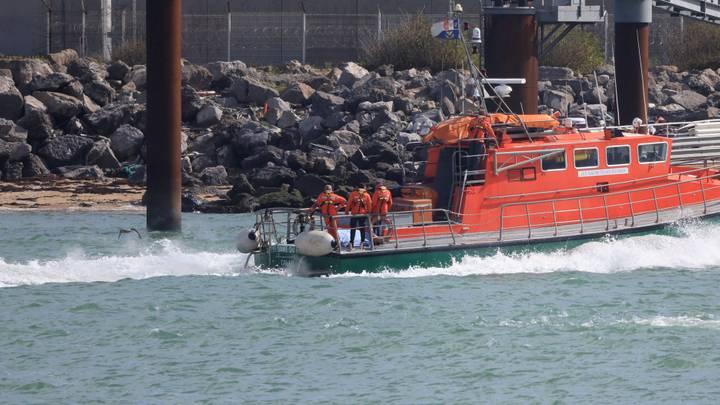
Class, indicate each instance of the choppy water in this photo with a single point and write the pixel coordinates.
(89, 319)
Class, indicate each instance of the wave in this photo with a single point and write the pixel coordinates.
(694, 247)
(674, 321)
(163, 258)
(690, 247)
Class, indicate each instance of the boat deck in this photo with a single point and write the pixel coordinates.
(537, 234)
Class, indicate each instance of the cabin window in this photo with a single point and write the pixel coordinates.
(556, 161)
(618, 155)
(652, 152)
(585, 158)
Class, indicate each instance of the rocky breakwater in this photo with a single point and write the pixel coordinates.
(260, 137)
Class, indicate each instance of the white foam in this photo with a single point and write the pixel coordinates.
(164, 258)
(695, 248)
(674, 321)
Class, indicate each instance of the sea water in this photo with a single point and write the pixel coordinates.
(87, 317)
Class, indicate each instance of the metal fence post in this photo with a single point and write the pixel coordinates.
(304, 34)
(134, 20)
(379, 24)
(83, 38)
(229, 30)
(48, 24)
(122, 26)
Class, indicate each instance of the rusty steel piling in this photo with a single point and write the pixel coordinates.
(162, 132)
(511, 51)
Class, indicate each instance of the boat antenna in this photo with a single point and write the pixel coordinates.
(599, 95)
(582, 97)
(617, 97)
(642, 76)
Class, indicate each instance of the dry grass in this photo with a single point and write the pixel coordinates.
(698, 48)
(132, 53)
(581, 51)
(411, 45)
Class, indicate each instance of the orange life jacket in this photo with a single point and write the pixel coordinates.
(360, 203)
(328, 203)
(382, 200)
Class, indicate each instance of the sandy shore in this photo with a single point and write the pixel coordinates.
(53, 195)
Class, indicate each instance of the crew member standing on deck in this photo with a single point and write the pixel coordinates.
(381, 203)
(329, 203)
(359, 205)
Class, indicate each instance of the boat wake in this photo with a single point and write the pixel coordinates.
(691, 247)
(163, 258)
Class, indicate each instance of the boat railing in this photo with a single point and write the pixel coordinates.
(427, 227)
(579, 211)
(698, 162)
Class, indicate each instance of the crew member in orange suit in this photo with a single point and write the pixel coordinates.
(381, 203)
(359, 205)
(329, 204)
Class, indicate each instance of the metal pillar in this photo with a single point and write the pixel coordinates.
(511, 51)
(163, 115)
(632, 43)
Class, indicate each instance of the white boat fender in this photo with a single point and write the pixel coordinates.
(248, 240)
(315, 243)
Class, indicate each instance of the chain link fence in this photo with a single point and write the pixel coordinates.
(267, 38)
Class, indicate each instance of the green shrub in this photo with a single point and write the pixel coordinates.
(698, 48)
(581, 51)
(411, 45)
(132, 53)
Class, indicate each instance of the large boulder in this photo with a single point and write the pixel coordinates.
(310, 184)
(196, 76)
(106, 120)
(8, 132)
(214, 176)
(311, 127)
(76, 172)
(351, 73)
(556, 73)
(100, 92)
(65, 150)
(11, 171)
(11, 100)
(689, 99)
(324, 104)
(280, 114)
(282, 198)
(14, 151)
(245, 142)
(52, 82)
(209, 115)
(119, 71)
(87, 70)
(101, 154)
(64, 57)
(33, 166)
(249, 90)
(36, 120)
(270, 154)
(223, 73)
(272, 176)
(126, 142)
(23, 71)
(191, 103)
(558, 100)
(346, 141)
(298, 93)
(60, 106)
(241, 185)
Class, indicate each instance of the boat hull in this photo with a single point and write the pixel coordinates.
(440, 256)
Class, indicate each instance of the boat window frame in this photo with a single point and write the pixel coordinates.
(564, 152)
(665, 158)
(630, 157)
(597, 150)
